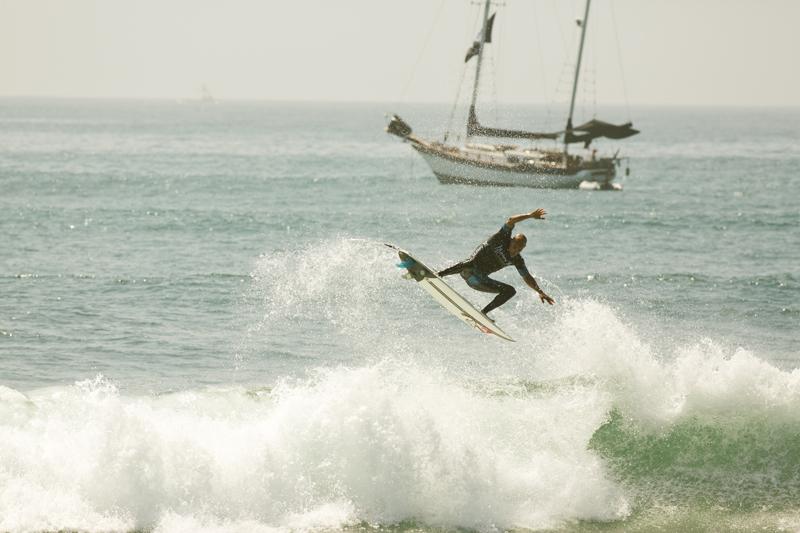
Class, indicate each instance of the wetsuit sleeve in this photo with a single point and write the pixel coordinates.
(519, 263)
(502, 236)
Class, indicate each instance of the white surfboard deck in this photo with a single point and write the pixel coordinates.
(446, 296)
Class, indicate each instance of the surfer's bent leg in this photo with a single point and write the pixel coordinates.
(455, 269)
(484, 283)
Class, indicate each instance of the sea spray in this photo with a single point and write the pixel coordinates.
(715, 422)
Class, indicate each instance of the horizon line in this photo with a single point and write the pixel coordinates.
(368, 101)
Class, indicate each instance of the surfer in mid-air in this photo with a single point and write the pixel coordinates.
(499, 251)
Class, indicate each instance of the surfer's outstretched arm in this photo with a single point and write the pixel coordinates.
(531, 282)
(539, 214)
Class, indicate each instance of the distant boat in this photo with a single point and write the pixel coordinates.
(205, 95)
(510, 164)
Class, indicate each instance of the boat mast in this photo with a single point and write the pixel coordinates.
(575, 82)
(480, 56)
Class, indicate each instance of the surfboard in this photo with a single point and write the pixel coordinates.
(445, 295)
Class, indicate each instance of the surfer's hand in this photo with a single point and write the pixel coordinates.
(545, 298)
(539, 213)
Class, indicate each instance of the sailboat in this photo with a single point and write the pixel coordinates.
(511, 164)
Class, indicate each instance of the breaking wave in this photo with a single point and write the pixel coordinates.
(583, 419)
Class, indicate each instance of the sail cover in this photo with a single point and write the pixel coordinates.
(475, 128)
(597, 128)
(584, 133)
(476, 45)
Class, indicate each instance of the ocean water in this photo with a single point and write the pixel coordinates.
(200, 329)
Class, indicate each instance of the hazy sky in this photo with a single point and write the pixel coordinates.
(681, 52)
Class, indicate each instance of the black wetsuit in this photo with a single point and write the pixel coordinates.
(490, 257)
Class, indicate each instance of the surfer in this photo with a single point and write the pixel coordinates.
(499, 251)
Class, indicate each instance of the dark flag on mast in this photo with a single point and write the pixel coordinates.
(476, 46)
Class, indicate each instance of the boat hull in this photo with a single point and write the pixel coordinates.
(451, 169)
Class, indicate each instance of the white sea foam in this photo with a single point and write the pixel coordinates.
(383, 444)
(701, 378)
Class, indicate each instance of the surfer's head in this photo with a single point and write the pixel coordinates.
(517, 243)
